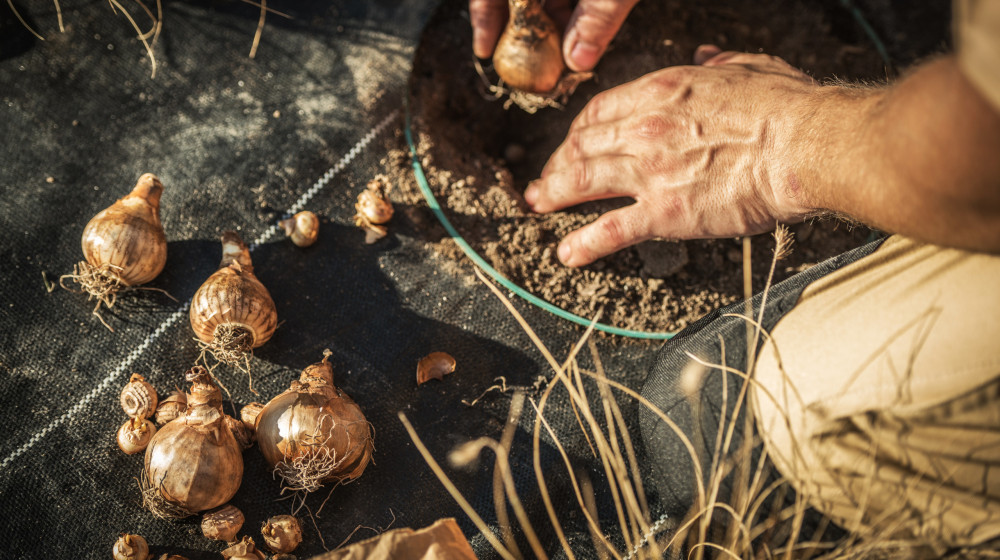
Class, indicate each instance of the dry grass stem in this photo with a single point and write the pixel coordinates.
(501, 387)
(59, 19)
(506, 440)
(260, 29)
(455, 494)
(141, 36)
(587, 488)
(594, 527)
(49, 285)
(20, 18)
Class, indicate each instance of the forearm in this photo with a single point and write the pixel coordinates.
(921, 158)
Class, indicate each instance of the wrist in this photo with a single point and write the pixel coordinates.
(831, 159)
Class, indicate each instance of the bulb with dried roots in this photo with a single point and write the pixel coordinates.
(124, 246)
(232, 312)
(192, 463)
(314, 433)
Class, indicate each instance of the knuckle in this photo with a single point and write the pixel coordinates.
(651, 126)
(611, 231)
(580, 176)
(655, 164)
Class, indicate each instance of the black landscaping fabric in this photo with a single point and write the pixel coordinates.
(238, 143)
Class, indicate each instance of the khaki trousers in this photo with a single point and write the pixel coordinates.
(878, 395)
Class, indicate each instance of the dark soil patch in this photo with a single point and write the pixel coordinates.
(478, 157)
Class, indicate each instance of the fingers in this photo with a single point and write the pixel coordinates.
(711, 55)
(611, 232)
(590, 29)
(488, 19)
(590, 179)
(705, 52)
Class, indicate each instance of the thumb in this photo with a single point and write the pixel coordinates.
(591, 27)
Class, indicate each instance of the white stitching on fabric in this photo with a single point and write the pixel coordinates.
(652, 532)
(175, 316)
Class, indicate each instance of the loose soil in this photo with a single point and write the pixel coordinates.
(479, 156)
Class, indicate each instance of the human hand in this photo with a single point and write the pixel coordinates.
(589, 28)
(706, 151)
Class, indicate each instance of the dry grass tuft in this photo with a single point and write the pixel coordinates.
(735, 527)
(153, 19)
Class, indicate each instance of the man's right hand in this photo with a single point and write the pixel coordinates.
(588, 29)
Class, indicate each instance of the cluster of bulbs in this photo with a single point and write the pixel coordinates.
(311, 434)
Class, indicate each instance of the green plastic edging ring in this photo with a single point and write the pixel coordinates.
(492, 272)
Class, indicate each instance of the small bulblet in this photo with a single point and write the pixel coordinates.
(232, 303)
(192, 464)
(302, 228)
(171, 407)
(130, 547)
(528, 56)
(138, 398)
(222, 524)
(243, 550)
(135, 434)
(282, 533)
(127, 237)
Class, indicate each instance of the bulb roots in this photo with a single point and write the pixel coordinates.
(231, 345)
(319, 461)
(153, 500)
(99, 282)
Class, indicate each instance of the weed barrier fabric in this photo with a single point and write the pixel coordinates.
(698, 408)
(238, 143)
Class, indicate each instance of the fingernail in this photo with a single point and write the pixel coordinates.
(531, 194)
(564, 253)
(584, 55)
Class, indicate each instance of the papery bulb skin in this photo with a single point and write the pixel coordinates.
(192, 464)
(243, 550)
(528, 56)
(171, 407)
(127, 236)
(282, 533)
(222, 524)
(234, 298)
(314, 433)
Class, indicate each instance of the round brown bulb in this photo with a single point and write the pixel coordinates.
(138, 398)
(192, 464)
(130, 547)
(222, 524)
(171, 407)
(134, 435)
(127, 237)
(528, 56)
(123, 245)
(243, 550)
(232, 312)
(302, 228)
(314, 433)
(282, 533)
